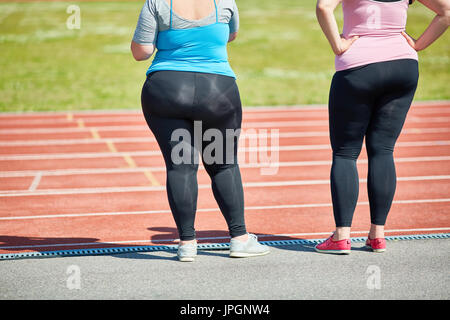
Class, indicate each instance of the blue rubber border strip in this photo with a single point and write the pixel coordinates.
(206, 246)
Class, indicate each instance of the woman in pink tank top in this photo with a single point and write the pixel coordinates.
(378, 26)
(371, 92)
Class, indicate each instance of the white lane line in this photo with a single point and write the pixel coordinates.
(56, 142)
(63, 172)
(248, 208)
(145, 128)
(44, 192)
(36, 181)
(211, 238)
(327, 181)
(241, 150)
(247, 124)
(418, 119)
(84, 155)
(68, 172)
(445, 104)
(139, 118)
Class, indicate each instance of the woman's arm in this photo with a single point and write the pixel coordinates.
(436, 28)
(144, 38)
(232, 36)
(325, 16)
(141, 52)
(234, 23)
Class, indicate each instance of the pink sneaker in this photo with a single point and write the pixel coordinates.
(331, 246)
(376, 245)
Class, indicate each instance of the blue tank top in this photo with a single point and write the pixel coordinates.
(199, 49)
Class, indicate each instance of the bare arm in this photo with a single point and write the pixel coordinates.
(325, 16)
(436, 28)
(232, 37)
(234, 23)
(145, 35)
(141, 52)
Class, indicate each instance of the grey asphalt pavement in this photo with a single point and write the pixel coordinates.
(412, 269)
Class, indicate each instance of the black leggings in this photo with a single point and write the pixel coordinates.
(181, 108)
(368, 102)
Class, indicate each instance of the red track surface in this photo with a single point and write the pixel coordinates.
(96, 179)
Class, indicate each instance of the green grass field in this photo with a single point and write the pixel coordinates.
(281, 56)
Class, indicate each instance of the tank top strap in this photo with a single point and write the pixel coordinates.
(171, 14)
(217, 14)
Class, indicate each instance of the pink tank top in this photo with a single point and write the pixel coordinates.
(379, 26)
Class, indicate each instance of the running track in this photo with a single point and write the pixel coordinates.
(96, 179)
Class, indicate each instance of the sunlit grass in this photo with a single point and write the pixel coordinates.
(281, 56)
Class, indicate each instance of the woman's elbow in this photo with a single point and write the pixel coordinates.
(140, 57)
(446, 17)
(326, 5)
(232, 36)
(137, 56)
(141, 52)
(320, 7)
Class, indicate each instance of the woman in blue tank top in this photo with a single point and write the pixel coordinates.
(190, 89)
(197, 49)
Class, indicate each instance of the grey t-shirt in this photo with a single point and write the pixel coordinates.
(155, 17)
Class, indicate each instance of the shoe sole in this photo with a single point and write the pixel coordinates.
(333, 251)
(186, 259)
(246, 254)
(375, 250)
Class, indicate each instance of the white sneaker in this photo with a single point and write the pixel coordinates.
(250, 248)
(187, 252)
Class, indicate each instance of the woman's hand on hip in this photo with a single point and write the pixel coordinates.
(411, 41)
(345, 44)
